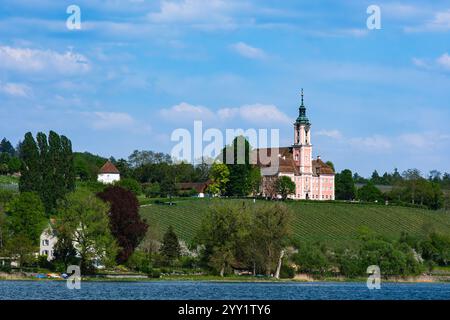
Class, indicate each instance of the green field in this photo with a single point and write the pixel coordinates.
(332, 223)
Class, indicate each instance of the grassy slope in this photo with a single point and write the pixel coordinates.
(333, 223)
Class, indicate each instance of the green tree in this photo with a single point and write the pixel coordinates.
(370, 193)
(311, 259)
(6, 147)
(170, 248)
(223, 231)
(130, 184)
(64, 252)
(255, 180)
(153, 190)
(14, 165)
(21, 247)
(26, 217)
(47, 167)
(237, 158)
(331, 165)
(84, 218)
(271, 228)
(219, 175)
(285, 186)
(345, 186)
(31, 178)
(67, 164)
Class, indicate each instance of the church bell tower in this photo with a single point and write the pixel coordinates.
(302, 148)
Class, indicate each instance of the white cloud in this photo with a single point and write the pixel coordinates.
(248, 51)
(400, 10)
(15, 89)
(261, 113)
(422, 141)
(374, 143)
(334, 134)
(200, 13)
(185, 111)
(110, 120)
(444, 61)
(439, 23)
(420, 62)
(252, 113)
(48, 61)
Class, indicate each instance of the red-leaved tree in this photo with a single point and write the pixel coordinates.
(125, 222)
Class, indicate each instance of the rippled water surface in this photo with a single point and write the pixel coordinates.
(168, 290)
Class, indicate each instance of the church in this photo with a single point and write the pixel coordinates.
(313, 178)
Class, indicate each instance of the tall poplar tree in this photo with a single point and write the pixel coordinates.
(47, 167)
(30, 179)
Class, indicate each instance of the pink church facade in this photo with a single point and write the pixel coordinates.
(313, 178)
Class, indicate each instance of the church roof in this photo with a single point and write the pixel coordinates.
(286, 161)
(109, 167)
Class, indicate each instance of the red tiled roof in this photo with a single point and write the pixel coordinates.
(200, 187)
(286, 161)
(109, 167)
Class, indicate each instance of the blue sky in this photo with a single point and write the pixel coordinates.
(139, 69)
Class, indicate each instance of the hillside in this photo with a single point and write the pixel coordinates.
(333, 223)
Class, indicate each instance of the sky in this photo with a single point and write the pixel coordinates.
(137, 70)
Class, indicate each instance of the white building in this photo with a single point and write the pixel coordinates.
(108, 173)
(47, 242)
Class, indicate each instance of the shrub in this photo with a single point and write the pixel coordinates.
(131, 185)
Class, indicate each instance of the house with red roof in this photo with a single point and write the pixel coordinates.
(108, 173)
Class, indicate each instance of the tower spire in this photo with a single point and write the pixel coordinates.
(302, 118)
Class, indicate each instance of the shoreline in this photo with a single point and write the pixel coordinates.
(302, 279)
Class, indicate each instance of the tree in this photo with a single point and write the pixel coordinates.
(131, 185)
(219, 175)
(170, 248)
(345, 186)
(6, 147)
(311, 259)
(271, 228)
(26, 217)
(67, 164)
(64, 252)
(331, 165)
(126, 225)
(47, 167)
(84, 219)
(237, 158)
(223, 233)
(285, 186)
(375, 177)
(255, 180)
(370, 193)
(14, 165)
(22, 248)
(31, 178)
(153, 190)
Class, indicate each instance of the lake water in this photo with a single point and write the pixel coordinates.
(186, 290)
